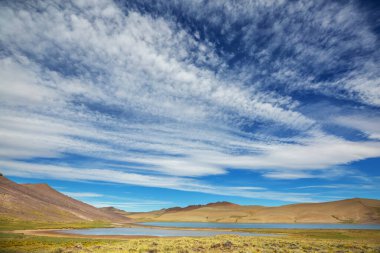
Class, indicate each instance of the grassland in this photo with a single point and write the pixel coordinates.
(223, 243)
(15, 224)
(292, 240)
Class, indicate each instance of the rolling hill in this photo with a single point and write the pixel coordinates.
(40, 202)
(344, 211)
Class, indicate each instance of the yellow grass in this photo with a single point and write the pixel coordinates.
(15, 224)
(297, 241)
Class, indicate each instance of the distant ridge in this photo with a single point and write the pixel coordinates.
(221, 203)
(192, 207)
(40, 202)
(354, 210)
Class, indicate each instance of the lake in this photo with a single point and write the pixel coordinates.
(155, 232)
(176, 231)
(262, 225)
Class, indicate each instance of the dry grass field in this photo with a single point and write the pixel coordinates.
(286, 240)
(310, 242)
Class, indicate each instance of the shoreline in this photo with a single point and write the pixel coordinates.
(54, 240)
(239, 222)
(271, 232)
(56, 233)
(59, 232)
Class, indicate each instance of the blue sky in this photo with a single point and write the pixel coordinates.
(144, 105)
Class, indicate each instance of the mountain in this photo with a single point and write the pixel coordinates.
(344, 211)
(112, 211)
(40, 202)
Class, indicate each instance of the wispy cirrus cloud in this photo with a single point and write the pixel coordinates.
(27, 170)
(157, 100)
(83, 194)
(135, 205)
(325, 48)
(129, 204)
(364, 123)
(340, 187)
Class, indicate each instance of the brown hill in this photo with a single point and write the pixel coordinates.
(343, 211)
(221, 204)
(112, 210)
(40, 202)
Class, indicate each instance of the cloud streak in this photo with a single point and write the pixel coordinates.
(27, 170)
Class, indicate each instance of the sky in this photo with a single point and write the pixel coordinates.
(144, 105)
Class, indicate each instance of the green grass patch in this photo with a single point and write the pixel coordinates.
(9, 224)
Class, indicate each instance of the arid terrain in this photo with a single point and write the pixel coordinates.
(27, 210)
(41, 203)
(343, 211)
(360, 242)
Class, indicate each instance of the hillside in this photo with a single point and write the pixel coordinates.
(343, 211)
(114, 211)
(40, 202)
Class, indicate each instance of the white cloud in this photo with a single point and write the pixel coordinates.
(83, 194)
(86, 78)
(28, 170)
(367, 124)
(176, 151)
(19, 83)
(304, 43)
(147, 73)
(341, 187)
(130, 206)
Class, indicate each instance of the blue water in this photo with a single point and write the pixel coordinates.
(262, 225)
(154, 232)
